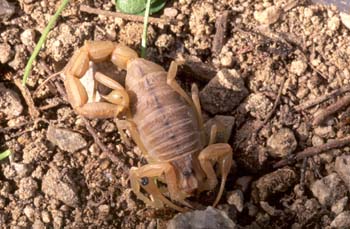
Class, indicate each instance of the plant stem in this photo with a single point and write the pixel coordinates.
(5, 154)
(144, 33)
(42, 39)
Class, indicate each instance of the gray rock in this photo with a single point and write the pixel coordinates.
(340, 205)
(208, 218)
(282, 143)
(224, 126)
(258, 105)
(278, 181)
(6, 9)
(27, 188)
(329, 189)
(342, 167)
(10, 103)
(223, 93)
(63, 189)
(342, 221)
(236, 199)
(6, 53)
(65, 139)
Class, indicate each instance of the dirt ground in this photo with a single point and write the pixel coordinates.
(264, 64)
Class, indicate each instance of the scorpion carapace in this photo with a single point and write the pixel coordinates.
(163, 121)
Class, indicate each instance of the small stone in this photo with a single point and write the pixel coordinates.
(333, 23)
(317, 140)
(340, 205)
(273, 183)
(57, 217)
(282, 143)
(6, 53)
(298, 67)
(236, 199)
(325, 131)
(29, 213)
(6, 10)
(208, 218)
(45, 216)
(170, 12)
(224, 126)
(27, 188)
(329, 189)
(10, 103)
(227, 59)
(268, 16)
(65, 139)
(342, 167)
(165, 41)
(28, 37)
(224, 92)
(345, 19)
(342, 221)
(62, 189)
(258, 105)
(22, 170)
(243, 183)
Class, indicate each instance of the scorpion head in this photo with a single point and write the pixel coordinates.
(187, 180)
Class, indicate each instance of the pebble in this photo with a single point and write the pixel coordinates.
(317, 140)
(45, 216)
(6, 10)
(27, 188)
(345, 19)
(298, 67)
(268, 16)
(258, 105)
(65, 139)
(223, 93)
(272, 183)
(208, 218)
(29, 213)
(61, 189)
(243, 183)
(170, 12)
(340, 205)
(28, 37)
(6, 53)
(10, 103)
(342, 221)
(224, 126)
(236, 199)
(342, 167)
(282, 143)
(329, 189)
(333, 23)
(325, 131)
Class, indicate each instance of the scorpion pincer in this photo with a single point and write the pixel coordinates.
(163, 120)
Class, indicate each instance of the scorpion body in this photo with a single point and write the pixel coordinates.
(163, 121)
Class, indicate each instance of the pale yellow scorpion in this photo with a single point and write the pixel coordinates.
(163, 120)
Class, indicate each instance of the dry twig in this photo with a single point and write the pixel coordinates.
(312, 151)
(325, 113)
(320, 99)
(128, 17)
(34, 113)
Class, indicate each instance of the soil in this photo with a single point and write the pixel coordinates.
(270, 58)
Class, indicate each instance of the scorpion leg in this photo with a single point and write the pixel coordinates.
(194, 102)
(222, 154)
(131, 126)
(144, 177)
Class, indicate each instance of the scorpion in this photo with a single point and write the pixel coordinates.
(163, 120)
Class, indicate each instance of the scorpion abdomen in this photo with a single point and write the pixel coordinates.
(166, 122)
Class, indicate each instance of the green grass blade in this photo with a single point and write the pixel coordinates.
(144, 33)
(41, 41)
(5, 154)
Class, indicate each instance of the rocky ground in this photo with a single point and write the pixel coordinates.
(274, 73)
